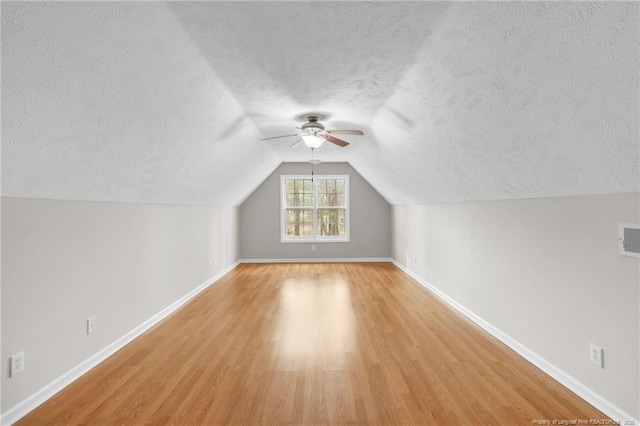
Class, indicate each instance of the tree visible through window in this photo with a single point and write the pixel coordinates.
(315, 210)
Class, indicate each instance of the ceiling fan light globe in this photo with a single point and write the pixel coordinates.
(313, 141)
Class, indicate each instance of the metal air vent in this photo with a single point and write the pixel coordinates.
(629, 237)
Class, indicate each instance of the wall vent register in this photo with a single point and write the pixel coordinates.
(629, 239)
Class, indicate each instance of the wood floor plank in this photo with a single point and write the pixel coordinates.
(302, 344)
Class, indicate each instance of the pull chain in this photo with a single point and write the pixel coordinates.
(312, 150)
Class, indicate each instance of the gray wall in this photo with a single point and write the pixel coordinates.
(64, 261)
(260, 220)
(546, 272)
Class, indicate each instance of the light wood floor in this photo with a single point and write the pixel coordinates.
(306, 344)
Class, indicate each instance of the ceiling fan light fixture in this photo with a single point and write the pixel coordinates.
(313, 141)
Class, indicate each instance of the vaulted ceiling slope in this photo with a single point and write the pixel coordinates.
(166, 102)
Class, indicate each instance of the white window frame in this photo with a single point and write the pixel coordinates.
(315, 238)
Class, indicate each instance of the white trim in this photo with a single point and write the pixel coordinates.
(561, 376)
(320, 260)
(30, 403)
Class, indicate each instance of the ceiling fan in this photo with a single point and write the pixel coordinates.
(313, 135)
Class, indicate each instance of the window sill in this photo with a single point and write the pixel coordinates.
(315, 240)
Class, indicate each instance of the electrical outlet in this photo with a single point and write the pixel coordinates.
(17, 364)
(415, 260)
(214, 262)
(91, 325)
(313, 247)
(595, 355)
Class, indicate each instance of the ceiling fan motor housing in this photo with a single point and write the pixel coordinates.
(312, 126)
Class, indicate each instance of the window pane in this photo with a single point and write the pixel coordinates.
(331, 222)
(308, 186)
(332, 199)
(299, 222)
(308, 200)
(331, 185)
(331, 193)
(298, 193)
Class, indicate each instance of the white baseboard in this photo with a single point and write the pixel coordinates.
(319, 260)
(32, 402)
(584, 392)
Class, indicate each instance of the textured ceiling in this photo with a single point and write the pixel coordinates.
(166, 102)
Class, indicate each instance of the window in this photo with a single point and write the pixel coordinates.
(315, 210)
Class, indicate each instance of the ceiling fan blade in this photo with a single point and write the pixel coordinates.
(346, 132)
(277, 137)
(298, 144)
(335, 140)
